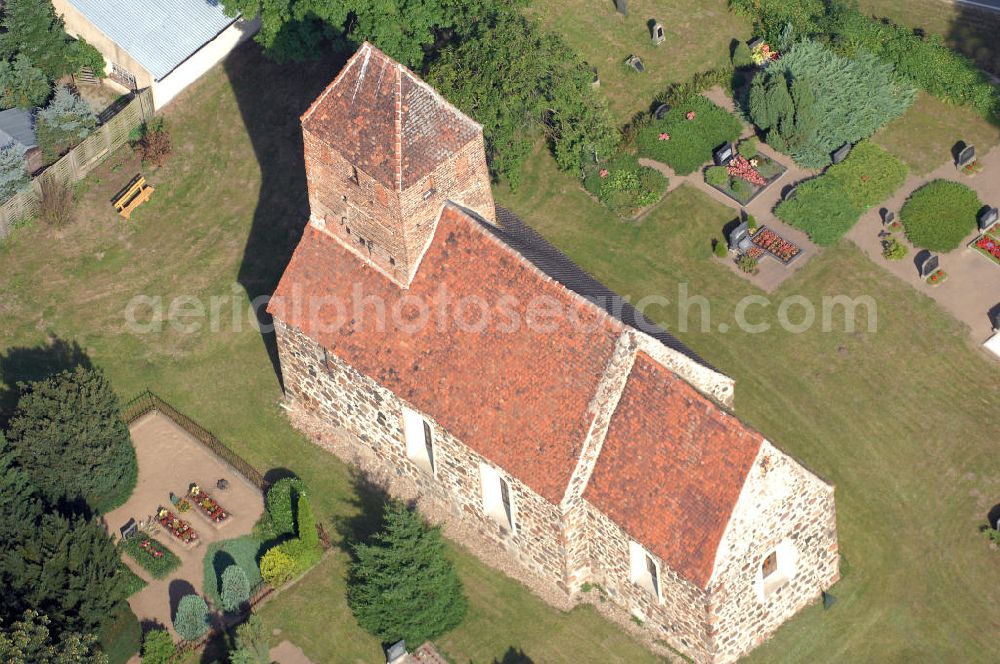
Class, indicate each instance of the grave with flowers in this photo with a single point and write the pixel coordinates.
(177, 527)
(744, 175)
(988, 243)
(208, 507)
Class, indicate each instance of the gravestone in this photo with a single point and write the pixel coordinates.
(930, 264)
(987, 218)
(658, 35)
(840, 154)
(396, 653)
(967, 156)
(739, 237)
(755, 42)
(789, 193)
(635, 62)
(723, 154)
(888, 216)
(661, 111)
(129, 529)
(621, 6)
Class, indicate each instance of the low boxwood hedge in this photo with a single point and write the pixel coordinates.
(939, 215)
(158, 567)
(691, 141)
(826, 207)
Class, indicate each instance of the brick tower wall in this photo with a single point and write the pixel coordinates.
(389, 228)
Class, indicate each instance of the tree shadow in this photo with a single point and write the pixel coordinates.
(178, 589)
(514, 656)
(973, 32)
(994, 316)
(148, 625)
(271, 98)
(919, 258)
(275, 474)
(369, 504)
(27, 364)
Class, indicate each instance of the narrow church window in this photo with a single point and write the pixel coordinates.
(770, 565)
(354, 175)
(505, 498)
(654, 576)
(419, 441)
(498, 500)
(644, 571)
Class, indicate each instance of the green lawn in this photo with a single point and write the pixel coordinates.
(902, 421)
(927, 132)
(192, 239)
(697, 39)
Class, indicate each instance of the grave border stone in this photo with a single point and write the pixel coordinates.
(841, 153)
(658, 35)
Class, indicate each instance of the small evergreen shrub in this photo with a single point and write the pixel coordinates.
(690, 142)
(752, 223)
(827, 206)
(719, 247)
(13, 172)
(63, 124)
(191, 620)
(749, 147)
(307, 524)
(893, 249)
(717, 176)
(747, 264)
(277, 567)
(244, 551)
(939, 215)
(741, 189)
(235, 588)
(302, 554)
(282, 498)
(158, 647)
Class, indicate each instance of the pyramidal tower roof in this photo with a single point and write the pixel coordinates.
(386, 120)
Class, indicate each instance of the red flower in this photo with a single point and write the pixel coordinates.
(739, 167)
(604, 173)
(664, 136)
(691, 115)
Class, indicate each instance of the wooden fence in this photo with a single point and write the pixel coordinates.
(82, 159)
(147, 402)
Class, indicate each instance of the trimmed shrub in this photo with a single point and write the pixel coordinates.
(69, 436)
(691, 141)
(402, 586)
(717, 176)
(719, 247)
(302, 554)
(307, 524)
(277, 567)
(159, 567)
(749, 148)
(826, 207)
(158, 647)
(812, 101)
(191, 620)
(235, 588)
(282, 499)
(940, 214)
(13, 172)
(243, 551)
(741, 189)
(894, 250)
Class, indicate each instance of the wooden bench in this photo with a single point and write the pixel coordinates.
(137, 193)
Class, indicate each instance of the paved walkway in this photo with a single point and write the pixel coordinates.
(170, 459)
(972, 288)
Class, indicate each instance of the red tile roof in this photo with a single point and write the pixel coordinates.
(671, 469)
(520, 398)
(386, 121)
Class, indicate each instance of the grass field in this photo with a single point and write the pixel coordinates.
(697, 39)
(927, 132)
(901, 420)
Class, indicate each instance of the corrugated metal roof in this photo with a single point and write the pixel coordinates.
(159, 34)
(16, 127)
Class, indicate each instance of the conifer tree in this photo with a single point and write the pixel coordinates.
(191, 620)
(20, 507)
(69, 437)
(13, 174)
(402, 586)
(29, 641)
(22, 84)
(235, 588)
(64, 123)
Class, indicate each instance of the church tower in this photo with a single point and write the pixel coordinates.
(383, 152)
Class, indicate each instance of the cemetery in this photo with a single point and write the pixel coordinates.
(988, 243)
(687, 134)
(742, 172)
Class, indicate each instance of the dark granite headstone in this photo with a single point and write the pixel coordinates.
(661, 111)
(621, 6)
(755, 42)
(789, 193)
(967, 155)
(723, 154)
(840, 154)
(129, 529)
(888, 217)
(987, 218)
(930, 264)
(739, 237)
(396, 652)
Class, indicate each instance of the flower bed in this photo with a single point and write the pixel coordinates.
(179, 528)
(207, 506)
(745, 176)
(775, 245)
(155, 558)
(937, 277)
(988, 245)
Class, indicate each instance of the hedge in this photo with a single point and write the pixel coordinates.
(242, 551)
(158, 567)
(691, 141)
(826, 207)
(939, 215)
(281, 501)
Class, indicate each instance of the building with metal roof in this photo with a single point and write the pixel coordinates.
(162, 44)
